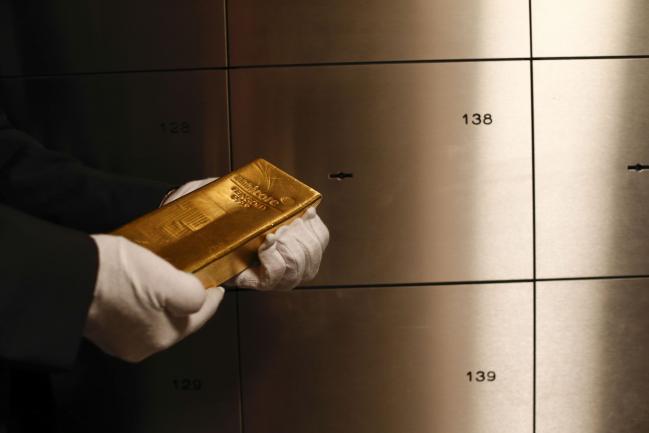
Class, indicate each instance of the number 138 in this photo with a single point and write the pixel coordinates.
(478, 119)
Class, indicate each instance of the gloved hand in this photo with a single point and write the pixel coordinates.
(186, 189)
(288, 257)
(142, 304)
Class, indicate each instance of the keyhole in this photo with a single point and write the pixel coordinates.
(340, 175)
(638, 167)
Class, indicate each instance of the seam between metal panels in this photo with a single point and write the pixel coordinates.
(534, 317)
(454, 283)
(322, 64)
(230, 165)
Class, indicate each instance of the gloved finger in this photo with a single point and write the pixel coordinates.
(271, 238)
(264, 277)
(187, 188)
(213, 298)
(296, 256)
(310, 245)
(249, 279)
(317, 227)
(183, 294)
(177, 328)
(159, 284)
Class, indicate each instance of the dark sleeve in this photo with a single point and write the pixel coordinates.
(48, 268)
(47, 278)
(60, 189)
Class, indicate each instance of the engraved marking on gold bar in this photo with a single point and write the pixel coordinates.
(189, 219)
(240, 197)
(257, 194)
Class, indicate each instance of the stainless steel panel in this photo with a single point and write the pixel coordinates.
(388, 360)
(192, 387)
(431, 198)
(294, 31)
(590, 127)
(166, 126)
(59, 36)
(590, 27)
(592, 352)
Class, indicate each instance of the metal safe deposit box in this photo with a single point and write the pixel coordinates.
(483, 171)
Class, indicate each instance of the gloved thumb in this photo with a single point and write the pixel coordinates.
(184, 296)
(213, 298)
(266, 276)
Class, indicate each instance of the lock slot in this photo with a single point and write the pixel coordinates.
(341, 176)
(638, 167)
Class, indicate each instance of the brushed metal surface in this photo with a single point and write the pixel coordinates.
(59, 36)
(294, 31)
(165, 126)
(431, 198)
(590, 27)
(592, 352)
(192, 387)
(590, 126)
(387, 360)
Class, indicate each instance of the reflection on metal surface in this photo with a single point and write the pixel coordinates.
(433, 195)
(192, 387)
(388, 360)
(590, 27)
(294, 31)
(57, 36)
(592, 353)
(166, 126)
(590, 127)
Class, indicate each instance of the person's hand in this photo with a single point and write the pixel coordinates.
(288, 257)
(142, 304)
(186, 189)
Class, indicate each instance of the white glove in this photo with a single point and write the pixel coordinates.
(142, 304)
(288, 257)
(186, 189)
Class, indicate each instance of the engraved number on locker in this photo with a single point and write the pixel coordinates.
(481, 376)
(478, 119)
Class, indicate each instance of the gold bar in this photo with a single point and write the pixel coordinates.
(215, 231)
